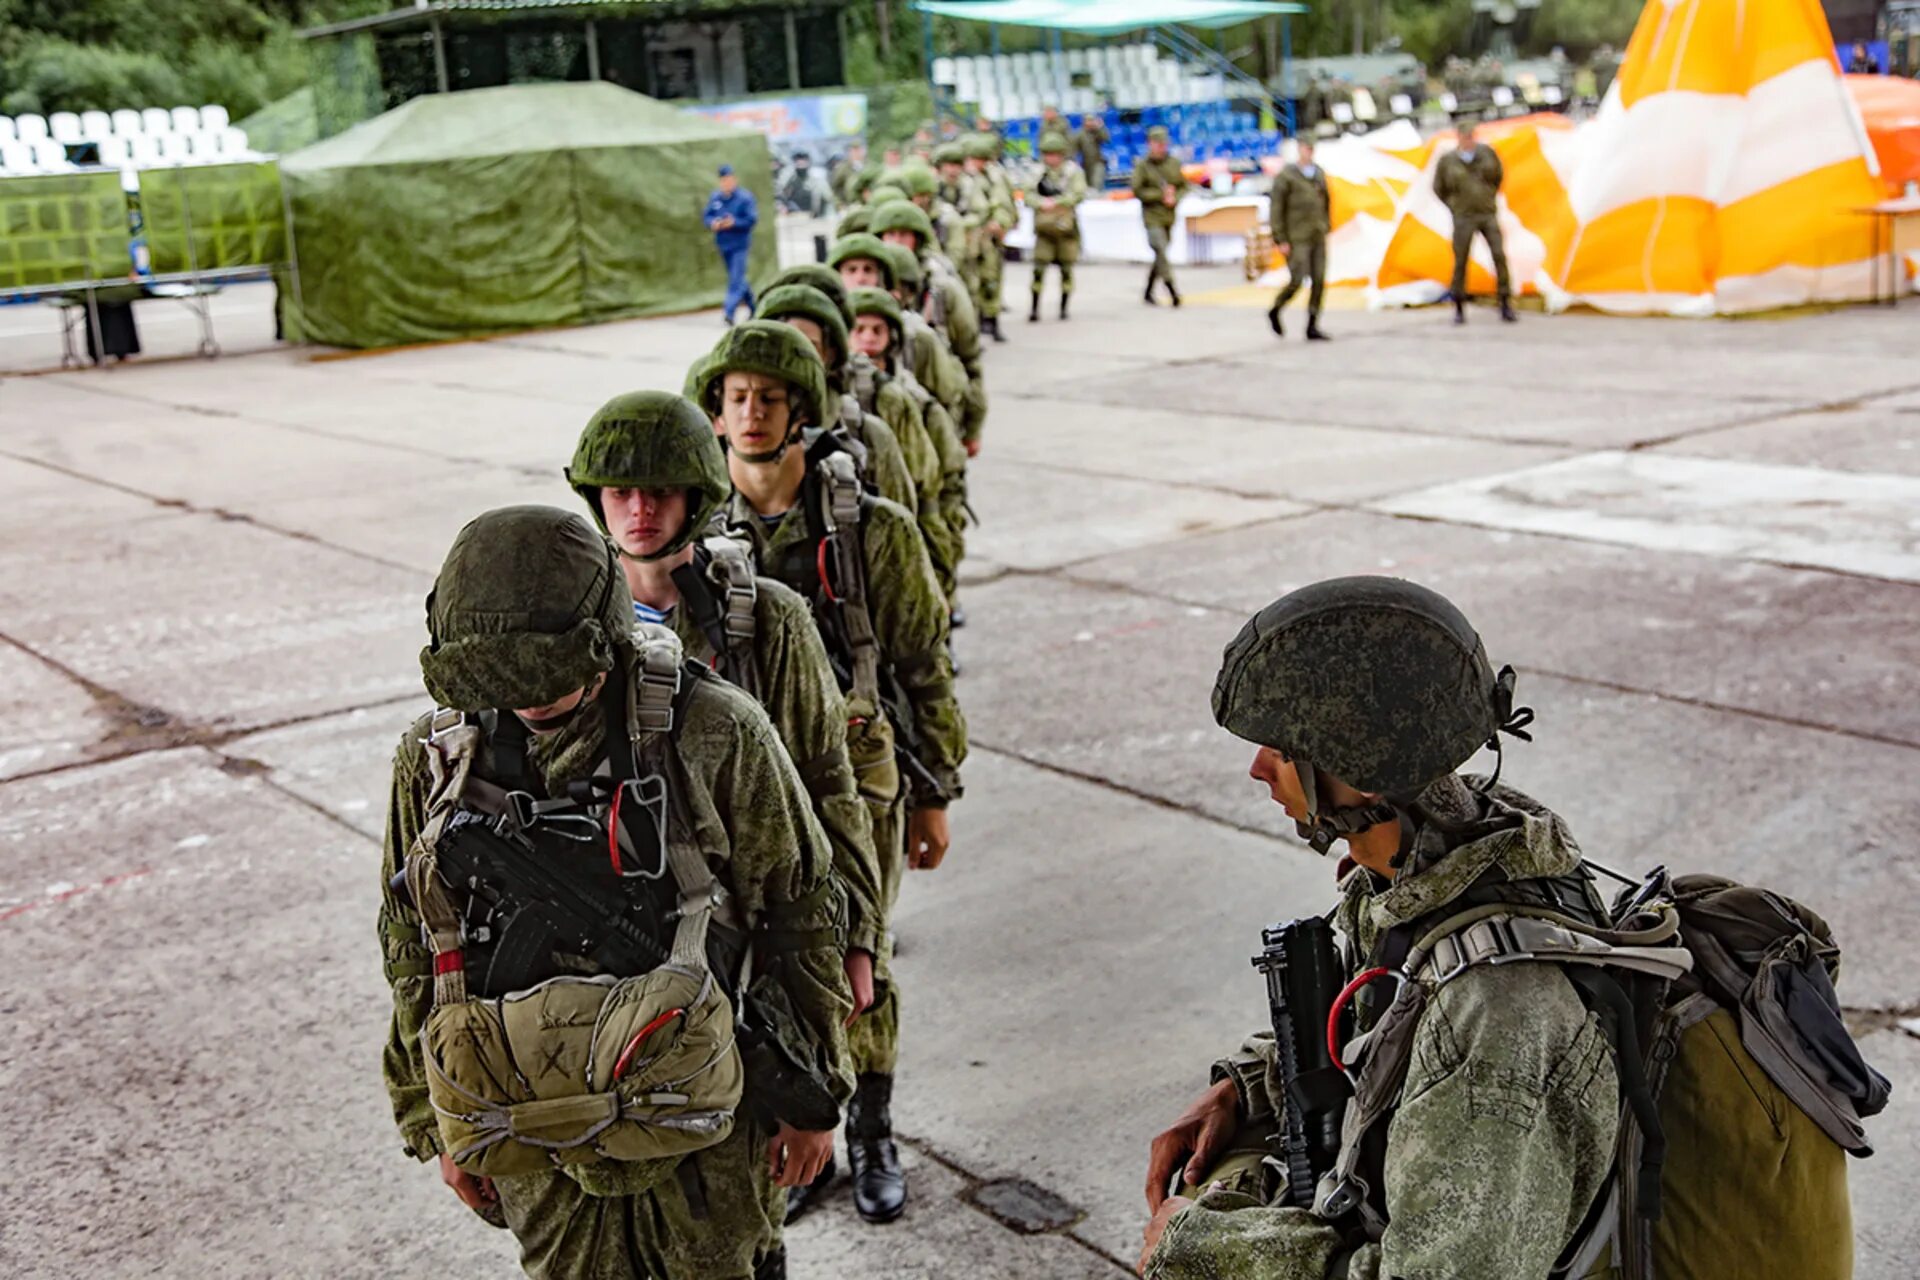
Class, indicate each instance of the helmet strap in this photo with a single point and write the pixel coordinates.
(774, 455)
(1323, 827)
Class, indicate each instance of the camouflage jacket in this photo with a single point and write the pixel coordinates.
(1299, 208)
(1066, 185)
(885, 468)
(934, 363)
(881, 395)
(1466, 187)
(966, 205)
(999, 197)
(908, 610)
(1506, 1123)
(960, 323)
(744, 797)
(802, 699)
(1151, 179)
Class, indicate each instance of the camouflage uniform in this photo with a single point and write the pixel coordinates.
(963, 196)
(946, 306)
(1503, 1130)
(1469, 188)
(553, 574)
(1001, 212)
(930, 359)
(1301, 215)
(1056, 231)
(1152, 179)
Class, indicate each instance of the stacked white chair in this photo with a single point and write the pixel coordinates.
(146, 149)
(15, 156)
(126, 122)
(155, 120)
(214, 118)
(64, 126)
(185, 120)
(9, 132)
(95, 126)
(50, 156)
(31, 128)
(116, 152)
(233, 143)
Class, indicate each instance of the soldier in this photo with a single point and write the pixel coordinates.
(544, 682)
(966, 203)
(943, 301)
(1056, 194)
(928, 355)
(983, 162)
(1301, 214)
(1157, 184)
(895, 467)
(1088, 141)
(861, 563)
(1467, 180)
(841, 177)
(1364, 696)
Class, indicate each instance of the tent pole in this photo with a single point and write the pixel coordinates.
(439, 57)
(993, 34)
(593, 51)
(1286, 73)
(793, 53)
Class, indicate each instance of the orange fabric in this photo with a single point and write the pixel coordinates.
(1890, 108)
(1720, 46)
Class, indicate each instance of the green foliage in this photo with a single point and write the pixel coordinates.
(1581, 26)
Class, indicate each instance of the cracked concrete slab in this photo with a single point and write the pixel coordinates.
(60, 721)
(1886, 1232)
(1871, 439)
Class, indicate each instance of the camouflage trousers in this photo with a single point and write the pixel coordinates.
(1487, 226)
(717, 1219)
(873, 1041)
(1158, 238)
(1063, 250)
(988, 274)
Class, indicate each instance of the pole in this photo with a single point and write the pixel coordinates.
(293, 262)
(926, 57)
(1359, 26)
(593, 51)
(1286, 73)
(440, 58)
(793, 53)
(993, 35)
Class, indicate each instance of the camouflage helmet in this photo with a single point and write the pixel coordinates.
(1159, 134)
(980, 146)
(863, 245)
(1379, 682)
(774, 351)
(906, 266)
(949, 153)
(918, 180)
(852, 222)
(804, 300)
(528, 607)
(902, 217)
(878, 302)
(818, 275)
(651, 440)
(894, 179)
(1053, 144)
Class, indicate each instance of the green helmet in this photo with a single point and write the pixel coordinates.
(789, 300)
(1053, 144)
(775, 351)
(949, 153)
(878, 302)
(529, 606)
(818, 275)
(864, 245)
(1379, 682)
(652, 440)
(853, 221)
(891, 180)
(906, 266)
(864, 180)
(920, 180)
(902, 217)
(980, 146)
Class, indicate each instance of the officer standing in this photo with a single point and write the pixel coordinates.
(1364, 696)
(861, 563)
(543, 682)
(731, 213)
(1157, 185)
(1467, 180)
(1056, 198)
(1301, 215)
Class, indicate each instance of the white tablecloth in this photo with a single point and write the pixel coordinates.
(1111, 231)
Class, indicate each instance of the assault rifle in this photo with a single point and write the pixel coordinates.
(1302, 969)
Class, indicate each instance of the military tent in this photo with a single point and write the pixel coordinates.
(521, 207)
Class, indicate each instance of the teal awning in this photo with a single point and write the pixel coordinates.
(1108, 17)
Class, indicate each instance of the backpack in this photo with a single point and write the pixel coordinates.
(1742, 1092)
(613, 1077)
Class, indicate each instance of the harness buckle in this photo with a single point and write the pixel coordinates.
(443, 721)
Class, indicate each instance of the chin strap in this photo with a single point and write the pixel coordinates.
(1511, 719)
(1323, 827)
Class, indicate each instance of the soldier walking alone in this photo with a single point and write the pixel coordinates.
(1302, 214)
(1467, 181)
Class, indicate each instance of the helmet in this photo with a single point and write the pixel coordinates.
(901, 217)
(980, 146)
(776, 351)
(817, 275)
(652, 440)
(528, 607)
(852, 222)
(918, 180)
(949, 153)
(1053, 144)
(1158, 134)
(878, 302)
(906, 266)
(894, 179)
(863, 245)
(1379, 682)
(786, 300)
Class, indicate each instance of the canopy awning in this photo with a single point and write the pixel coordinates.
(1109, 17)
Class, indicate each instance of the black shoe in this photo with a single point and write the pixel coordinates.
(801, 1199)
(958, 619)
(1033, 312)
(993, 327)
(1273, 321)
(1151, 300)
(1459, 311)
(1173, 293)
(772, 1267)
(1063, 306)
(879, 1184)
(1506, 310)
(1313, 331)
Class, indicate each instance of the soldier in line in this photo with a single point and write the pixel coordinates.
(929, 356)
(943, 301)
(1363, 697)
(1056, 196)
(1301, 215)
(861, 563)
(1157, 184)
(1467, 180)
(983, 162)
(842, 176)
(965, 202)
(1089, 141)
(531, 632)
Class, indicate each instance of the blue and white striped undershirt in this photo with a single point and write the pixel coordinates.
(647, 613)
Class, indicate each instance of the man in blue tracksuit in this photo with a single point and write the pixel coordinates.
(731, 213)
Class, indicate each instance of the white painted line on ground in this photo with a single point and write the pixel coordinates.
(1866, 523)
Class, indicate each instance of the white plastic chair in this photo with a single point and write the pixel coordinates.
(15, 157)
(1449, 102)
(214, 118)
(146, 149)
(942, 74)
(156, 120)
(50, 156)
(202, 147)
(126, 121)
(64, 126)
(1400, 104)
(1342, 113)
(116, 152)
(8, 131)
(173, 148)
(31, 128)
(185, 119)
(95, 125)
(1364, 109)
(1502, 96)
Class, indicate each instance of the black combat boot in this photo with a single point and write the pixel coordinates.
(1033, 312)
(879, 1184)
(993, 327)
(1506, 310)
(1313, 329)
(1063, 304)
(1459, 309)
(772, 1267)
(801, 1199)
(1152, 280)
(1173, 293)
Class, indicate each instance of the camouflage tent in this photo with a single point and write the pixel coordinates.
(523, 207)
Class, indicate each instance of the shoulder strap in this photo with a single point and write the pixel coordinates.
(841, 512)
(866, 386)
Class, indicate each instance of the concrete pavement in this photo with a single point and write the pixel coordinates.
(1697, 541)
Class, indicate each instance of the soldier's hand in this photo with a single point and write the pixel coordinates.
(859, 967)
(926, 838)
(1197, 1138)
(1047, 202)
(475, 1193)
(1158, 1227)
(796, 1156)
(973, 448)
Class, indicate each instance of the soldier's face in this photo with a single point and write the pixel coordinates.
(1306, 153)
(642, 521)
(1283, 784)
(862, 273)
(755, 413)
(904, 238)
(976, 164)
(1157, 148)
(950, 171)
(925, 203)
(870, 336)
(812, 332)
(558, 714)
